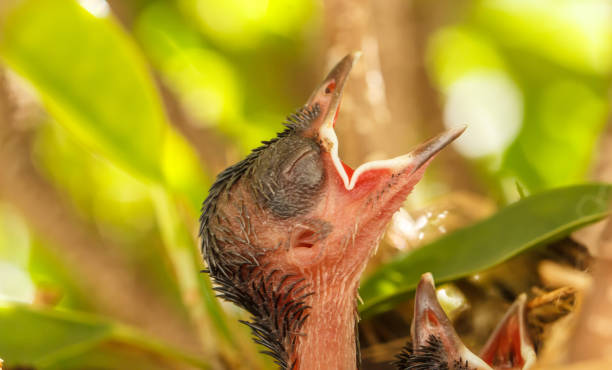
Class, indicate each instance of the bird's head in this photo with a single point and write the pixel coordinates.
(292, 225)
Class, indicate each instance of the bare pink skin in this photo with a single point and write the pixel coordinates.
(326, 248)
(332, 267)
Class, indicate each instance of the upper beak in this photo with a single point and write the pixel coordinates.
(327, 96)
(329, 93)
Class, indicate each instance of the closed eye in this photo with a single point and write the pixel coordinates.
(306, 152)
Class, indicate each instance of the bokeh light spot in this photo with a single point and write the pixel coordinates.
(97, 8)
(491, 105)
(20, 289)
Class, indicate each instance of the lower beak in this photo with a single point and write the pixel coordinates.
(408, 163)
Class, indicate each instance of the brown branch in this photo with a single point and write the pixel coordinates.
(101, 274)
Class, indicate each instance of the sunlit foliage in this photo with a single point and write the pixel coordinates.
(131, 96)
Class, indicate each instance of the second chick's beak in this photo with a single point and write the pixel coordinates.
(436, 345)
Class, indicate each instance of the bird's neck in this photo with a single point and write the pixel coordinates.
(329, 341)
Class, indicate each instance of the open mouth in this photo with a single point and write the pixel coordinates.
(411, 161)
(329, 95)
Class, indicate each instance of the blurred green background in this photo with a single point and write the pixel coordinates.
(115, 116)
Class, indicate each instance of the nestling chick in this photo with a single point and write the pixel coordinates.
(287, 232)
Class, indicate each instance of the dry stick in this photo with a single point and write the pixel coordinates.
(109, 282)
(404, 30)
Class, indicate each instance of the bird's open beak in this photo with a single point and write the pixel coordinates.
(509, 347)
(430, 320)
(327, 96)
(373, 191)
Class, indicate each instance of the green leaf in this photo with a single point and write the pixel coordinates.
(91, 78)
(47, 339)
(179, 242)
(244, 24)
(95, 83)
(183, 171)
(529, 222)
